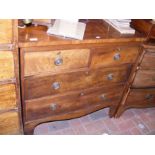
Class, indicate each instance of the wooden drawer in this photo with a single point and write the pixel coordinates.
(144, 78)
(81, 100)
(9, 123)
(36, 87)
(141, 98)
(104, 57)
(148, 61)
(5, 31)
(7, 97)
(6, 65)
(55, 61)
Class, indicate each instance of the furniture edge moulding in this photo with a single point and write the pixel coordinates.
(121, 108)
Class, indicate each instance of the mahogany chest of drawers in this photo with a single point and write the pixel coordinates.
(64, 78)
(58, 84)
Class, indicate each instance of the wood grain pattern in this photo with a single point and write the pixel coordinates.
(42, 62)
(144, 78)
(79, 79)
(141, 98)
(148, 61)
(6, 28)
(42, 86)
(94, 28)
(61, 104)
(138, 98)
(6, 65)
(30, 126)
(9, 123)
(105, 57)
(7, 97)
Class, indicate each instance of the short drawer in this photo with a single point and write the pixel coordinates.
(55, 61)
(144, 78)
(9, 123)
(141, 98)
(81, 100)
(36, 87)
(6, 65)
(5, 31)
(7, 97)
(104, 57)
(148, 61)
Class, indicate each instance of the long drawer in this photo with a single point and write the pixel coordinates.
(67, 103)
(6, 65)
(9, 123)
(54, 61)
(141, 98)
(144, 78)
(105, 57)
(7, 97)
(6, 31)
(60, 83)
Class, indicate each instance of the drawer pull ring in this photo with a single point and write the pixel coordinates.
(110, 76)
(56, 85)
(117, 56)
(53, 106)
(58, 61)
(149, 97)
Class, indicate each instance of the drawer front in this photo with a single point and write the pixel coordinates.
(148, 61)
(7, 97)
(6, 65)
(61, 83)
(9, 123)
(55, 61)
(81, 100)
(5, 31)
(141, 98)
(144, 78)
(104, 57)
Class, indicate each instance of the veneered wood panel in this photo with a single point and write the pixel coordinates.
(105, 57)
(9, 123)
(7, 96)
(144, 78)
(148, 61)
(6, 29)
(81, 100)
(6, 65)
(42, 62)
(141, 98)
(36, 87)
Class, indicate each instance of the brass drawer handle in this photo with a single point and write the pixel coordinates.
(117, 56)
(56, 85)
(58, 61)
(53, 106)
(149, 96)
(110, 76)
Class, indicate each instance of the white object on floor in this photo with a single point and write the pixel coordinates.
(67, 29)
(141, 126)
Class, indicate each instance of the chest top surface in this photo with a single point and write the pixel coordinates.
(97, 31)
